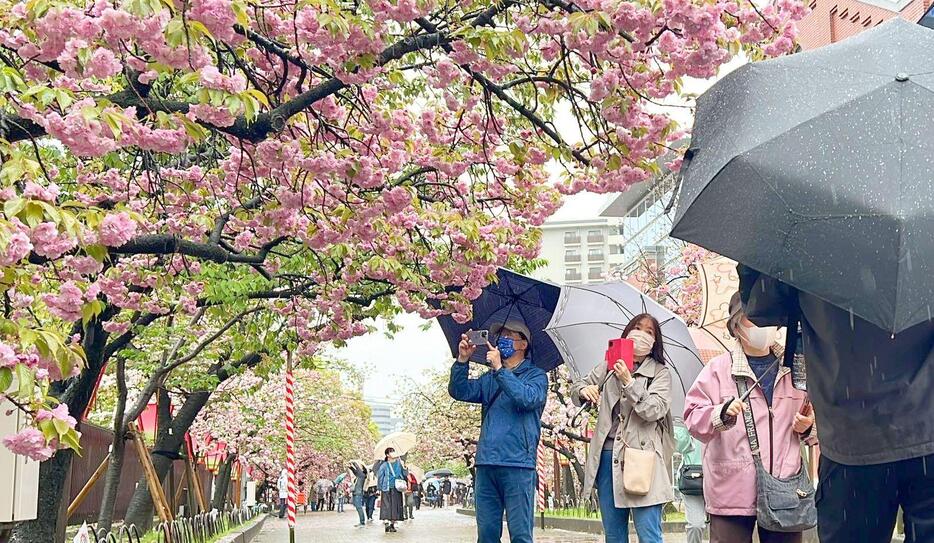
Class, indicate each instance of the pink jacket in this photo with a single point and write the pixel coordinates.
(729, 474)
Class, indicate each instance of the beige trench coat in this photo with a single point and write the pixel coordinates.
(646, 424)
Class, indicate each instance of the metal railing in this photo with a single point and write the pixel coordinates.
(197, 529)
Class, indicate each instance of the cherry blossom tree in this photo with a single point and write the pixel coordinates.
(334, 161)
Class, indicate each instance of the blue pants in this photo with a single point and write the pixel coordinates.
(370, 506)
(506, 489)
(358, 505)
(340, 504)
(648, 520)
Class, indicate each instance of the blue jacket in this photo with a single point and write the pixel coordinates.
(513, 402)
(388, 473)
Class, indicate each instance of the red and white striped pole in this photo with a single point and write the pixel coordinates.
(290, 441)
(540, 468)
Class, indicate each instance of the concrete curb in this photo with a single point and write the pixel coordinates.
(245, 535)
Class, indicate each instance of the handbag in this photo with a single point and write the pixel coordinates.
(638, 471)
(691, 480)
(782, 505)
(400, 484)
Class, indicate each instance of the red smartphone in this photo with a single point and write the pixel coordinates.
(619, 349)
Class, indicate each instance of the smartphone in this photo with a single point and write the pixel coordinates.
(478, 337)
(619, 349)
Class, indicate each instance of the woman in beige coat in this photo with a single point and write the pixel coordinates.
(634, 411)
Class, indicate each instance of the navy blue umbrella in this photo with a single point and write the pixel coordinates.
(512, 297)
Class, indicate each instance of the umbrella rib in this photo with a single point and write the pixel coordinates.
(621, 307)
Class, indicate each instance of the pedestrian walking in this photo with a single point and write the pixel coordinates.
(513, 397)
(341, 497)
(410, 496)
(690, 484)
(446, 492)
(359, 473)
(370, 494)
(781, 418)
(283, 491)
(633, 413)
(392, 483)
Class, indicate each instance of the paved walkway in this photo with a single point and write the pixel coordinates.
(429, 526)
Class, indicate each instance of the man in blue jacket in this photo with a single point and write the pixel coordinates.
(513, 395)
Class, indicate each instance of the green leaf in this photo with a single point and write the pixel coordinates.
(6, 379)
(71, 439)
(25, 380)
(12, 207)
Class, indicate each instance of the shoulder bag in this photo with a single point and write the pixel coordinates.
(691, 480)
(638, 466)
(782, 505)
(400, 484)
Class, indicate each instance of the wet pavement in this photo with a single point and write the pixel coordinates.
(429, 526)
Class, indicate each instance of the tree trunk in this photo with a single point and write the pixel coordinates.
(170, 437)
(222, 484)
(114, 471)
(168, 442)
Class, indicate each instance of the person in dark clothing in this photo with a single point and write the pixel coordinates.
(359, 473)
(446, 492)
(872, 394)
(513, 397)
(369, 497)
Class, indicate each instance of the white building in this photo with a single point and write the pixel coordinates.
(613, 233)
(384, 416)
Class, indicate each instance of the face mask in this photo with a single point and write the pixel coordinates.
(506, 347)
(642, 342)
(759, 339)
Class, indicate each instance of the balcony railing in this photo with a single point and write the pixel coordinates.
(595, 275)
(572, 239)
(572, 258)
(572, 277)
(598, 238)
(594, 256)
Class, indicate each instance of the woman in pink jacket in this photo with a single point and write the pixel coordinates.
(783, 419)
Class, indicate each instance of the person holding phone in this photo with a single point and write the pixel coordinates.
(633, 410)
(513, 396)
(782, 416)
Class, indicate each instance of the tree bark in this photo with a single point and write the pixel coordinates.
(115, 469)
(223, 483)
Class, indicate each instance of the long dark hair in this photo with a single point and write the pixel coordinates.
(658, 350)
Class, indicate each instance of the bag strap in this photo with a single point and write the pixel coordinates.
(484, 409)
(742, 387)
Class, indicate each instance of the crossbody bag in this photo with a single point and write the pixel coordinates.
(782, 505)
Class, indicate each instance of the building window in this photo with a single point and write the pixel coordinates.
(595, 254)
(594, 236)
(572, 274)
(572, 255)
(595, 273)
(572, 237)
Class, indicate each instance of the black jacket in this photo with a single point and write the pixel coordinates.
(873, 393)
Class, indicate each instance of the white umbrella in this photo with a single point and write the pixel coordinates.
(418, 472)
(402, 442)
(588, 316)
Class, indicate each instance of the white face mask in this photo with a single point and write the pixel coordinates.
(758, 339)
(642, 342)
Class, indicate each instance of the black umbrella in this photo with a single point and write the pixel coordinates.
(439, 473)
(511, 297)
(818, 169)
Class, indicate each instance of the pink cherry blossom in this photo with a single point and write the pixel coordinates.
(31, 443)
(117, 229)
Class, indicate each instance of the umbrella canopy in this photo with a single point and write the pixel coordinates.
(402, 442)
(323, 485)
(589, 316)
(340, 478)
(439, 473)
(815, 169)
(511, 297)
(418, 472)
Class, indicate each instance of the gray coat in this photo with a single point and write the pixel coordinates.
(646, 424)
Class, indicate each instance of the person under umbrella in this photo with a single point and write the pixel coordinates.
(831, 207)
(513, 397)
(776, 407)
(392, 500)
(634, 410)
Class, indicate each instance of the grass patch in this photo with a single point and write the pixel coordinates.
(153, 537)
